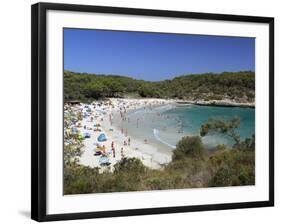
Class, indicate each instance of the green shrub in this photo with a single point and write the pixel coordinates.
(234, 167)
(189, 146)
(129, 165)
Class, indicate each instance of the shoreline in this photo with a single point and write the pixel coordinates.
(216, 103)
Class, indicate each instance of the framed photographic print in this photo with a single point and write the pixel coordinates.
(139, 111)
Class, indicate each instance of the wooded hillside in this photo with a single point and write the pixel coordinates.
(237, 86)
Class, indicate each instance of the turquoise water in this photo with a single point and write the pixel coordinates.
(164, 126)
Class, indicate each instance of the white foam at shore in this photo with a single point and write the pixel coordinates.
(156, 135)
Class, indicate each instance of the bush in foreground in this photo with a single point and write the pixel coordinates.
(190, 146)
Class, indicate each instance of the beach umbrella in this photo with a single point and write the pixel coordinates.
(102, 138)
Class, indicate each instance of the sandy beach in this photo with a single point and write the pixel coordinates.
(98, 119)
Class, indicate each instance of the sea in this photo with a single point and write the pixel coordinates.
(164, 126)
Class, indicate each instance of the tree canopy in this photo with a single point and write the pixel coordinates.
(238, 86)
(190, 146)
(226, 127)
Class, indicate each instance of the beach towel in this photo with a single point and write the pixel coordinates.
(87, 135)
(104, 161)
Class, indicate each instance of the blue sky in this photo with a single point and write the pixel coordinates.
(154, 56)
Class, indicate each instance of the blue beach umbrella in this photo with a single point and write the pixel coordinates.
(102, 138)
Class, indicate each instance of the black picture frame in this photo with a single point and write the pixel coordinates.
(39, 107)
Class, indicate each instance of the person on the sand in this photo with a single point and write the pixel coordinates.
(129, 141)
(122, 153)
(103, 149)
(113, 151)
(110, 119)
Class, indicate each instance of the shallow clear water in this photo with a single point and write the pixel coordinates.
(164, 126)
